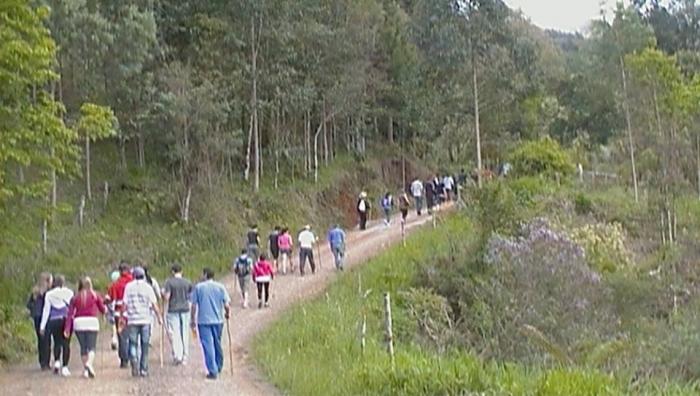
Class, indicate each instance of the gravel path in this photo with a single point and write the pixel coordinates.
(189, 380)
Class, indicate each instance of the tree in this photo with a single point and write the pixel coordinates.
(33, 132)
(95, 123)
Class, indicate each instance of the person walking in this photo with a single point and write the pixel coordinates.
(273, 242)
(111, 317)
(243, 267)
(307, 239)
(363, 208)
(262, 276)
(115, 297)
(253, 241)
(387, 206)
(429, 189)
(140, 302)
(83, 313)
(53, 320)
(417, 193)
(404, 205)
(210, 306)
(156, 289)
(336, 240)
(35, 305)
(285, 245)
(449, 184)
(177, 291)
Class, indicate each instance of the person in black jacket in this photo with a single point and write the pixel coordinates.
(363, 208)
(35, 305)
(429, 189)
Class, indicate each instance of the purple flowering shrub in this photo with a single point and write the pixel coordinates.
(538, 280)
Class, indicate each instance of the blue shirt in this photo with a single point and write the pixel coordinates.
(210, 298)
(336, 237)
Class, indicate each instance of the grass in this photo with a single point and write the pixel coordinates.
(315, 348)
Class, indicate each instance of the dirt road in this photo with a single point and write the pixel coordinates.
(245, 324)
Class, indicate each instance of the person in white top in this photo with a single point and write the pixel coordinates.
(140, 301)
(53, 320)
(449, 183)
(417, 193)
(307, 239)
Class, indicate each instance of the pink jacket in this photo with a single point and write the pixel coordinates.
(284, 242)
(262, 268)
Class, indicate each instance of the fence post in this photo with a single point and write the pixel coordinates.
(388, 327)
(81, 211)
(44, 236)
(403, 232)
(105, 195)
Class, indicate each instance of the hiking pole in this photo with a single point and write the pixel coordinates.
(318, 250)
(162, 335)
(230, 346)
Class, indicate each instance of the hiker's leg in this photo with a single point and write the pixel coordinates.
(310, 255)
(65, 344)
(55, 331)
(42, 348)
(218, 350)
(91, 347)
(133, 334)
(302, 260)
(205, 337)
(266, 287)
(82, 341)
(123, 341)
(259, 285)
(145, 336)
(175, 331)
(185, 326)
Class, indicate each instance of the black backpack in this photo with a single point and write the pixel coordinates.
(242, 266)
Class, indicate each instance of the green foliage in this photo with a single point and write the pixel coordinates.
(496, 208)
(604, 245)
(541, 157)
(583, 204)
(96, 122)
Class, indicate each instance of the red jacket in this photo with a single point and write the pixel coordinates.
(116, 291)
(262, 268)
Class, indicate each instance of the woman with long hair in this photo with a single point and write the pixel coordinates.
(85, 308)
(35, 305)
(53, 322)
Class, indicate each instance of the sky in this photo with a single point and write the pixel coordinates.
(566, 15)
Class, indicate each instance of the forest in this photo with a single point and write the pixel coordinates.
(161, 128)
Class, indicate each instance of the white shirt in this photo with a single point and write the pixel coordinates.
(449, 182)
(307, 239)
(417, 188)
(139, 298)
(57, 299)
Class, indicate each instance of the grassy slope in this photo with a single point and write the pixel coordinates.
(139, 222)
(315, 348)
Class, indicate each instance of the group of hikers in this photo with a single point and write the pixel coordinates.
(431, 192)
(132, 304)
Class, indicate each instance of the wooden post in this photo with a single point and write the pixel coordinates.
(389, 335)
(363, 333)
(81, 211)
(105, 195)
(403, 232)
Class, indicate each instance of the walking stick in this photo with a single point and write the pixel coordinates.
(318, 250)
(162, 335)
(230, 346)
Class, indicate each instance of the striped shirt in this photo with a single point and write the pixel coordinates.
(139, 297)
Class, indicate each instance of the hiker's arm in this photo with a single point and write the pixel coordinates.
(44, 316)
(193, 316)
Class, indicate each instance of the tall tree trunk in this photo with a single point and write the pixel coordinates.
(54, 183)
(277, 146)
(141, 139)
(256, 131)
(246, 172)
(88, 188)
(475, 86)
(390, 130)
(697, 148)
(628, 119)
(325, 139)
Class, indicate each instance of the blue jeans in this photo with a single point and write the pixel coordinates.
(140, 333)
(210, 337)
(419, 204)
(179, 330)
(338, 254)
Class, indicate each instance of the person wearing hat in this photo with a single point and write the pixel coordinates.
(363, 208)
(307, 239)
(140, 301)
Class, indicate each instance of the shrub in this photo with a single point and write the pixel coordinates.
(496, 209)
(604, 245)
(582, 204)
(541, 282)
(541, 157)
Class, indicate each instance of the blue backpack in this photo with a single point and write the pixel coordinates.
(243, 265)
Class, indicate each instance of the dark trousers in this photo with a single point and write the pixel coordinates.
(61, 344)
(305, 253)
(43, 345)
(363, 220)
(263, 287)
(123, 341)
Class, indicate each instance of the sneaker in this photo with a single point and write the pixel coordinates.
(144, 374)
(124, 364)
(85, 374)
(56, 367)
(90, 371)
(211, 376)
(65, 372)
(134, 369)
(267, 305)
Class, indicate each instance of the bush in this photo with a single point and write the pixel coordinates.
(604, 245)
(582, 204)
(540, 300)
(541, 157)
(496, 209)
